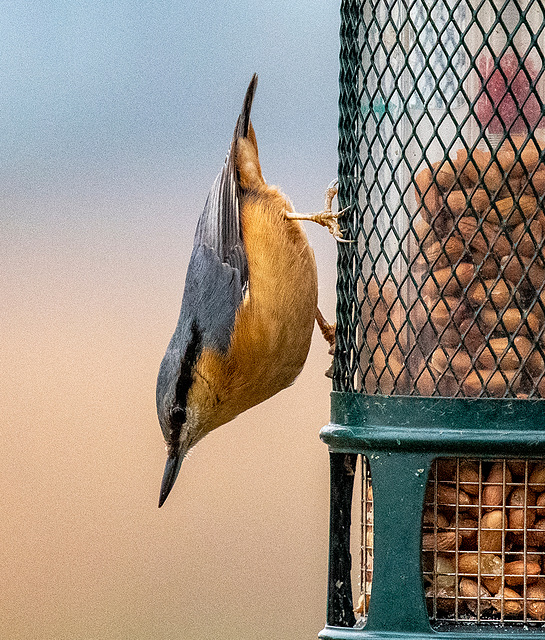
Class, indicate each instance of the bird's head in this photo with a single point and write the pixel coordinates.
(178, 415)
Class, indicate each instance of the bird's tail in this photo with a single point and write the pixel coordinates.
(243, 122)
(244, 145)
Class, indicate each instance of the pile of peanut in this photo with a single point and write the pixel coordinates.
(484, 539)
(480, 229)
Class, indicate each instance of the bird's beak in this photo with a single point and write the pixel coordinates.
(172, 468)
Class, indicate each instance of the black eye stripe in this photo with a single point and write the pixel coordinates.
(185, 379)
(178, 414)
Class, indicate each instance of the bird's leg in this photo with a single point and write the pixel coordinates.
(328, 331)
(326, 218)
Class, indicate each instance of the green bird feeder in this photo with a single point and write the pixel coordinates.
(437, 410)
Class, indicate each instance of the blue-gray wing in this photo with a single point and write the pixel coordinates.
(212, 295)
(219, 226)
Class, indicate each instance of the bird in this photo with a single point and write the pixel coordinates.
(249, 303)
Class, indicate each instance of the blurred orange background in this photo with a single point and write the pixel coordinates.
(99, 204)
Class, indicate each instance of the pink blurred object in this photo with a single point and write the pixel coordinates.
(510, 93)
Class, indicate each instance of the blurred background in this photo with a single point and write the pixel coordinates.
(115, 118)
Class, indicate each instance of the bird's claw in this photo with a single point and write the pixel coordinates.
(330, 219)
(326, 218)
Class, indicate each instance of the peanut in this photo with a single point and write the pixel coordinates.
(469, 477)
(508, 602)
(527, 237)
(510, 320)
(493, 525)
(458, 202)
(534, 185)
(518, 572)
(446, 468)
(532, 555)
(521, 515)
(425, 383)
(519, 269)
(427, 194)
(493, 584)
(540, 502)
(517, 466)
(505, 157)
(479, 200)
(445, 572)
(499, 353)
(486, 265)
(535, 600)
(448, 496)
(536, 535)
(537, 478)
(535, 363)
(424, 233)
(444, 310)
(468, 528)
(498, 293)
(488, 238)
(495, 383)
(448, 281)
(467, 168)
(486, 565)
(430, 519)
(442, 254)
(459, 362)
(445, 597)
(445, 175)
(476, 598)
(440, 541)
(468, 563)
(512, 211)
(494, 491)
(491, 175)
(529, 155)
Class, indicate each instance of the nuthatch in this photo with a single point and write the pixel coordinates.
(249, 303)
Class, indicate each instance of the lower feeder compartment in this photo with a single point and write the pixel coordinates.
(483, 542)
(442, 541)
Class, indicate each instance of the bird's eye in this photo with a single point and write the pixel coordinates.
(177, 415)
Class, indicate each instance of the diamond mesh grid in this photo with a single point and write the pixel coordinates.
(442, 159)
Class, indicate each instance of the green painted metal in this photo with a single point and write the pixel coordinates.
(454, 426)
(340, 608)
(401, 436)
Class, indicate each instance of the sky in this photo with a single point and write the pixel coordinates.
(115, 118)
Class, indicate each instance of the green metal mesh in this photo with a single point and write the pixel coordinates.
(442, 145)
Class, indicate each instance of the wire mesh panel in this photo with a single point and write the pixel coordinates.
(483, 542)
(366, 538)
(442, 157)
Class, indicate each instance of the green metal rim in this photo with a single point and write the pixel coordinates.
(459, 426)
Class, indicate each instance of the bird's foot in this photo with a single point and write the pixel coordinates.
(326, 218)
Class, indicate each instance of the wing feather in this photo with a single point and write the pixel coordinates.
(219, 226)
